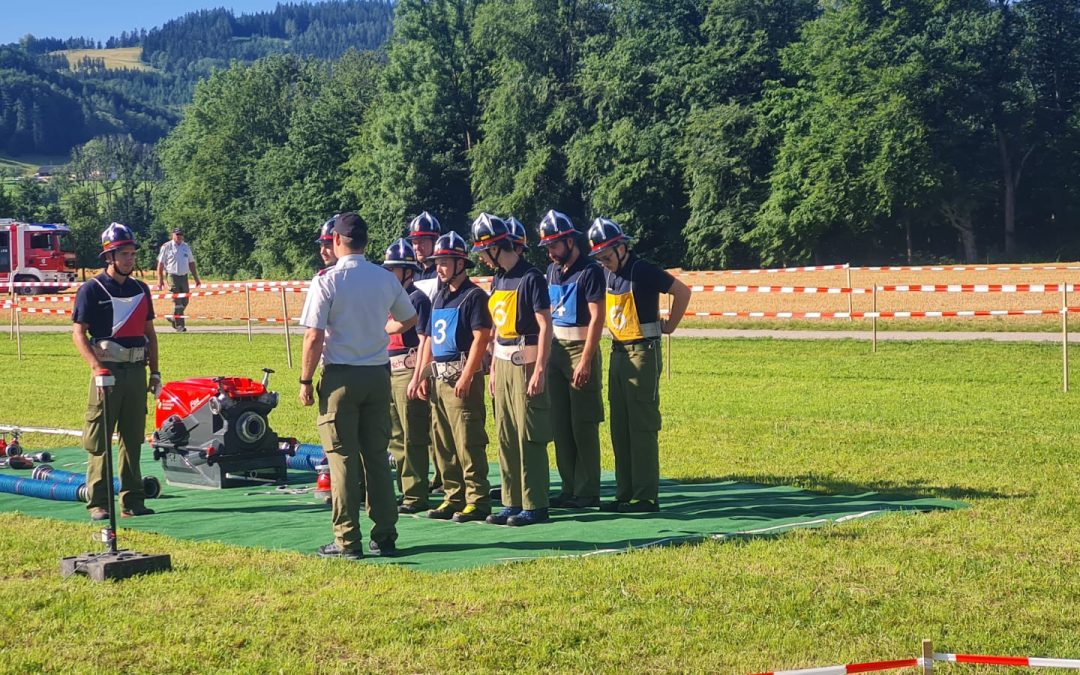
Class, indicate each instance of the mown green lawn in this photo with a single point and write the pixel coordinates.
(984, 423)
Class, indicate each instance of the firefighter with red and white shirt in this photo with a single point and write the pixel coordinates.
(113, 329)
(410, 416)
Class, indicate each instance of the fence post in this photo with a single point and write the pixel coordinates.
(247, 297)
(11, 299)
(849, 318)
(874, 309)
(1065, 337)
(18, 328)
(288, 339)
(927, 657)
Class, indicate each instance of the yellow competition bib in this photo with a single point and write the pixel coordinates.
(622, 317)
(503, 306)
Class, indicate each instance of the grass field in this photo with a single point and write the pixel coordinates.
(120, 58)
(984, 423)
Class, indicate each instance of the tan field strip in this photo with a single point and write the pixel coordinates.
(265, 305)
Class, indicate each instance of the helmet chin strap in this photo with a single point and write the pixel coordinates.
(116, 269)
(621, 257)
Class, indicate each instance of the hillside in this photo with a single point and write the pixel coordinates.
(55, 94)
(49, 112)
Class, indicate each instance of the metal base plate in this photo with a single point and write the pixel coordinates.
(115, 566)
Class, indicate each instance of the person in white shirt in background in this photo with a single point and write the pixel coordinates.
(176, 259)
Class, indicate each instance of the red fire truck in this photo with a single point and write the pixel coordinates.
(35, 252)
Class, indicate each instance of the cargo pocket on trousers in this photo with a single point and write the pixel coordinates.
(644, 390)
(418, 419)
(328, 433)
(475, 434)
(538, 418)
(92, 429)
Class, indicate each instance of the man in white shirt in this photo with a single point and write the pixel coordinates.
(345, 314)
(176, 259)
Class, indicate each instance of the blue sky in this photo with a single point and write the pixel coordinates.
(102, 18)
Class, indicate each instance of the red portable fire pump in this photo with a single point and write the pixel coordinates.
(215, 433)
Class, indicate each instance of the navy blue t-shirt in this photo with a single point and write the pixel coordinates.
(454, 316)
(426, 272)
(530, 288)
(573, 290)
(649, 281)
(122, 320)
(401, 343)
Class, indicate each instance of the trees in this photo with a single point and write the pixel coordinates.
(412, 154)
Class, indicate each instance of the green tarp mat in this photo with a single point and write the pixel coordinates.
(266, 517)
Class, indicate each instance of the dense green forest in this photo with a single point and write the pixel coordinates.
(720, 133)
(44, 111)
(74, 105)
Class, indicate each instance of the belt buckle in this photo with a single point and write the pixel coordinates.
(518, 358)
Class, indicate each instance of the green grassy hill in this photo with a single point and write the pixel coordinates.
(120, 58)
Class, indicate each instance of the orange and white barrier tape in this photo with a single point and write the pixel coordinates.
(189, 317)
(38, 310)
(881, 315)
(1029, 661)
(47, 298)
(968, 268)
(775, 270)
(891, 288)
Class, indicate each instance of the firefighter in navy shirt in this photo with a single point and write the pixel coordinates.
(633, 318)
(520, 309)
(115, 310)
(576, 286)
(458, 335)
(422, 232)
(410, 417)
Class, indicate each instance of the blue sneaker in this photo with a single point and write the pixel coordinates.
(528, 517)
(503, 516)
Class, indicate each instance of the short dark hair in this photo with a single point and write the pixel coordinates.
(352, 229)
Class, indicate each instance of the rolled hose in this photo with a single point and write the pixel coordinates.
(309, 456)
(300, 462)
(151, 485)
(42, 489)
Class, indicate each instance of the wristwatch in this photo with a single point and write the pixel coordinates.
(306, 381)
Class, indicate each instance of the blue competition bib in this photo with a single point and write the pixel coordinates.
(564, 304)
(444, 323)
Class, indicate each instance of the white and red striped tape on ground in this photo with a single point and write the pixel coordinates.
(1029, 661)
(877, 666)
(869, 667)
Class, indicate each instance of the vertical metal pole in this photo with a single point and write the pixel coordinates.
(927, 657)
(288, 340)
(667, 301)
(103, 394)
(849, 292)
(1065, 337)
(247, 296)
(874, 299)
